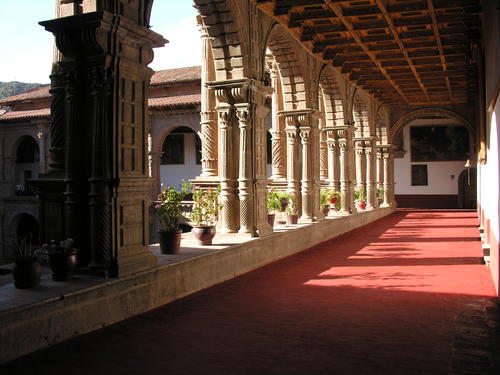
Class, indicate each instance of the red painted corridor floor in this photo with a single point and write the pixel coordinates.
(405, 295)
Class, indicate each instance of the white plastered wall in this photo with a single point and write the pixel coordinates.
(442, 176)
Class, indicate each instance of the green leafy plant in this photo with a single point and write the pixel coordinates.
(291, 207)
(24, 252)
(359, 194)
(168, 206)
(276, 200)
(380, 193)
(206, 205)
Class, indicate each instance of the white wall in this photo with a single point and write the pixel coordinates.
(489, 185)
(442, 176)
(174, 174)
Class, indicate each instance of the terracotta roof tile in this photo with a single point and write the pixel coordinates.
(174, 101)
(34, 113)
(187, 74)
(36, 93)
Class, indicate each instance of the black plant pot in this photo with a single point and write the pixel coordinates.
(63, 264)
(170, 241)
(270, 219)
(26, 274)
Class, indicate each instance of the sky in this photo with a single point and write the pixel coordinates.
(26, 53)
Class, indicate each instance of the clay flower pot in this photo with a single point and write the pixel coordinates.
(361, 205)
(62, 264)
(333, 200)
(292, 219)
(270, 219)
(204, 235)
(170, 241)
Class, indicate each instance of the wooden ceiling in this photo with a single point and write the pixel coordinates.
(414, 52)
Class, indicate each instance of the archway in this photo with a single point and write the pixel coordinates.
(434, 146)
(179, 156)
(27, 165)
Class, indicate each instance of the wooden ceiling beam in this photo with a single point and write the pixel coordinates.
(357, 37)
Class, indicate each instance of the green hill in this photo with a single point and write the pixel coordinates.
(13, 88)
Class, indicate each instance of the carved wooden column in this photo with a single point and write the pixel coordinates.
(56, 132)
(344, 141)
(208, 121)
(106, 173)
(371, 201)
(41, 134)
(277, 130)
(306, 188)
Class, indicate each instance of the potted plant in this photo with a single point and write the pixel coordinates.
(168, 210)
(27, 268)
(276, 202)
(330, 200)
(205, 213)
(360, 197)
(380, 195)
(62, 258)
(291, 209)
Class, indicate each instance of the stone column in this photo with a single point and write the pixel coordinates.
(208, 121)
(333, 162)
(380, 168)
(360, 163)
(371, 201)
(292, 159)
(344, 141)
(106, 174)
(307, 183)
(386, 159)
(41, 134)
(277, 130)
(323, 150)
(246, 192)
(227, 162)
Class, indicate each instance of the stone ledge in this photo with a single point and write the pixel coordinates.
(27, 328)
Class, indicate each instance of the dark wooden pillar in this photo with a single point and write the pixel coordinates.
(104, 78)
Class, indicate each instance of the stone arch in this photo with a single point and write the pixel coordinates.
(25, 141)
(441, 112)
(382, 125)
(332, 98)
(223, 22)
(163, 136)
(360, 115)
(290, 68)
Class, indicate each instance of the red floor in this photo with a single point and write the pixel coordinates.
(405, 295)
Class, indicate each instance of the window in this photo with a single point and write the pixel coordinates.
(419, 175)
(439, 143)
(173, 149)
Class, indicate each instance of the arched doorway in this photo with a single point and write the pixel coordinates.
(27, 165)
(435, 145)
(180, 156)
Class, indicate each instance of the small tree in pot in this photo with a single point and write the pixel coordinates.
(205, 213)
(168, 210)
(276, 202)
(360, 197)
(291, 209)
(27, 268)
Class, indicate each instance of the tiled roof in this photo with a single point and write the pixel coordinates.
(36, 93)
(33, 113)
(174, 101)
(187, 74)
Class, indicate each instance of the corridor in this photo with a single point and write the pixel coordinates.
(407, 294)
